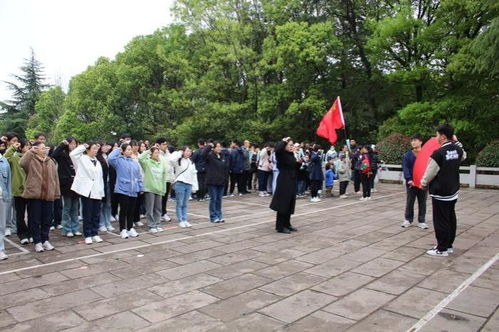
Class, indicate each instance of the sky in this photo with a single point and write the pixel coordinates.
(67, 36)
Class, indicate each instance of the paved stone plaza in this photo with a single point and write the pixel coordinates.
(350, 267)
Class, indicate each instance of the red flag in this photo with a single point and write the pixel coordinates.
(422, 160)
(331, 121)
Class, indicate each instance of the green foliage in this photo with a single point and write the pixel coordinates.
(392, 148)
(489, 156)
(48, 110)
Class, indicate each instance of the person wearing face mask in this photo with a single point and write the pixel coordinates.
(40, 190)
(185, 182)
(284, 198)
(66, 171)
(128, 186)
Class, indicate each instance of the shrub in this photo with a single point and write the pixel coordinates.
(392, 148)
(489, 156)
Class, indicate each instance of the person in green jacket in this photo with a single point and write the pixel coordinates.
(155, 176)
(14, 154)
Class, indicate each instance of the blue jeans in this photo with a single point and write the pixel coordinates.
(4, 215)
(91, 215)
(262, 180)
(105, 210)
(301, 187)
(216, 194)
(182, 193)
(70, 213)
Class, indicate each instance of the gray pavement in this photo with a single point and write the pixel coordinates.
(351, 267)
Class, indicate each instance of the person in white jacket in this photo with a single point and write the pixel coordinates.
(89, 184)
(185, 182)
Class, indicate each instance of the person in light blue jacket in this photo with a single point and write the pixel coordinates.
(5, 201)
(128, 186)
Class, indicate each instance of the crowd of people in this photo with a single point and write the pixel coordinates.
(97, 183)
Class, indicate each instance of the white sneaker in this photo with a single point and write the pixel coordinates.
(422, 225)
(139, 224)
(187, 224)
(8, 232)
(52, 228)
(124, 234)
(102, 229)
(368, 198)
(182, 224)
(112, 219)
(77, 233)
(358, 192)
(435, 252)
(30, 240)
(450, 250)
(343, 196)
(133, 233)
(59, 227)
(142, 216)
(69, 234)
(116, 217)
(111, 229)
(39, 247)
(97, 239)
(80, 218)
(88, 240)
(153, 230)
(374, 190)
(3, 255)
(24, 241)
(362, 199)
(261, 194)
(405, 224)
(48, 246)
(166, 218)
(160, 229)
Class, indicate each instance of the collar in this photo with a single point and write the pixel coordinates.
(446, 143)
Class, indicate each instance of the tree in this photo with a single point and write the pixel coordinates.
(48, 110)
(25, 92)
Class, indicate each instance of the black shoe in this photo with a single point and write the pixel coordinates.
(284, 230)
(292, 229)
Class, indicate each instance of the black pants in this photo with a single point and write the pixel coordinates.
(202, 189)
(412, 194)
(127, 211)
(243, 183)
(164, 203)
(236, 179)
(20, 205)
(282, 221)
(114, 204)
(262, 180)
(57, 212)
(366, 185)
(315, 186)
(356, 180)
(343, 187)
(91, 216)
(444, 222)
(138, 204)
(40, 214)
(249, 180)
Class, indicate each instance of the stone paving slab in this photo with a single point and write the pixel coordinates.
(351, 267)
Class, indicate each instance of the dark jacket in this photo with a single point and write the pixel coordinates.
(315, 167)
(237, 161)
(284, 199)
(217, 167)
(105, 174)
(408, 165)
(65, 169)
(445, 185)
(198, 160)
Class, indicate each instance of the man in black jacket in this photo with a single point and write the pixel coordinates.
(201, 168)
(442, 176)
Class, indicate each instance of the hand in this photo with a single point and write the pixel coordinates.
(85, 145)
(411, 183)
(156, 145)
(3, 139)
(65, 142)
(34, 148)
(17, 145)
(285, 139)
(454, 138)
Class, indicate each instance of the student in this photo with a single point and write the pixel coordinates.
(66, 172)
(217, 167)
(185, 182)
(343, 170)
(264, 169)
(412, 191)
(200, 168)
(442, 177)
(316, 174)
(128, 186)
(303, 175)
(89, 184)
(364, 165)
(165, 154)
(284, 199)
(5, 201)
(237, 164)
(106, 203)
(14, 154)
(329, 180)
(356, 172)
(41, 190)
(10, 139)
(155, 173)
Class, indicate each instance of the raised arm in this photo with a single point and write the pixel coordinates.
(26, 160)
(77, 153)
(59, 150)
(113, 157)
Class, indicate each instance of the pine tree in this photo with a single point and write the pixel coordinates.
(26, 91)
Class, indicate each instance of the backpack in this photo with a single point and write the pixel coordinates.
(365, 166)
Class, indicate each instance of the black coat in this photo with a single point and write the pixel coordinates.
(65, 169)
(198, 160)
(217, 167)
(284, 199)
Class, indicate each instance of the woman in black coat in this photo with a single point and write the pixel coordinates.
(284, 199)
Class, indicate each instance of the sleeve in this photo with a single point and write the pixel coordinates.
(279, 147)
(58, 151)
(77, 153)
(206, 153)
(112, 159)
(463, 158)
(430, 173)
(26, 160)
(174, 157)
(144, 158)
(9, 154)
(406, 167)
